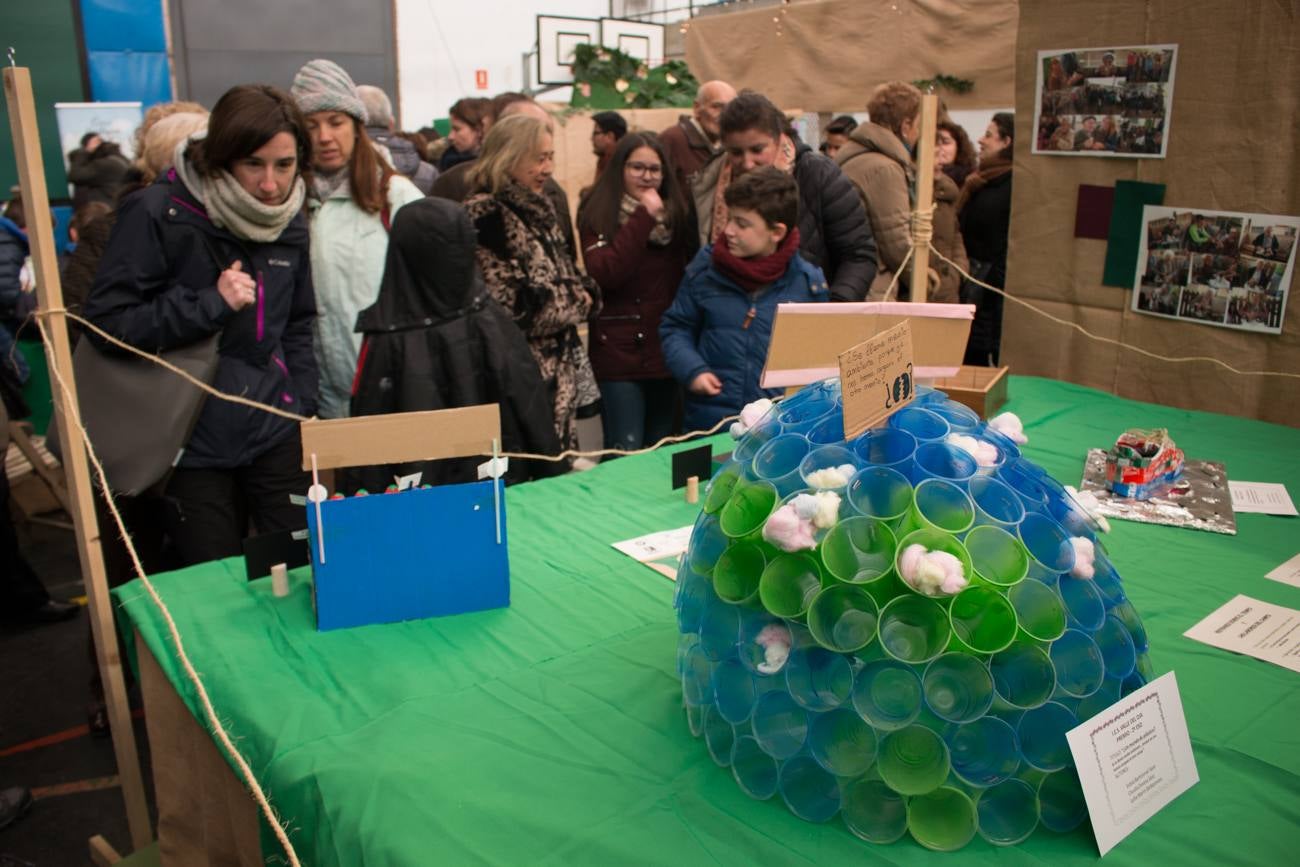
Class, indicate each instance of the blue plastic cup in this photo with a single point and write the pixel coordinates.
(691, 597)
(779, 724)
(1099, 701)
(1050, 551)
(829, 429)
(842, 743)
(1001, 440)
(886, 447)
(984, 751)
(960, 418)
(1107, 581)
(995, 503)
(758, 436)
(957, 687)
(734, 691)
(873, 811)
(778, 461)
(843, 618)
(765, 643)
(1026, 485)
(1084, 607)
(1127, 614)
(1132, 684)
(719, 737)
(1039, 611)
(997, 558)
(818, 679)
(1079, 666)
(755, 771)
(1116, 645)
(825, 457)
(999, 460)
(1061, 803)
(887, 694)
(695, 719)
(941, 460)
(697, 678)
(1023, 677)
(1008, 812)
(686, 642)
(707, 544)
(939, 505)
(881, 493)
(913, 760)
(1041, 733)
(943, 820)
(1143, 665)
(802, 415)
(914, 629)
(810, 791)
(920, 423)
(719, 631)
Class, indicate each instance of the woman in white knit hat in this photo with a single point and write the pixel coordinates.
(353, 196)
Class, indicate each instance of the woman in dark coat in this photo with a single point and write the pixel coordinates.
(436, 339)
(219, 245)
(984, 209)
(638, 235)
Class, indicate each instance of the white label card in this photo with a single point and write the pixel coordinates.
(1258, 629)
(1133, 758)
(1288, 572)
(656, 546)
(1264, 498)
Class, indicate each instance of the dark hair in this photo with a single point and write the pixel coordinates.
(751, 110)
(1005, 121)
(610, 121)
(894, 103)
(498, 103)
(15, 211)
(769, 191)
(246, 117)
(842, 125)
(471, 110)
(86, 213)
(598, 212)
(368, 173)
(430, 134)
(964, 163)
(85, 139)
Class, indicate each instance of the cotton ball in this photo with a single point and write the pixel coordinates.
(750, 416)
(932, 573)
(831, 477)
(774, 638)
(828, 510)
(1090, 506)
(788, 531)
(985, 454)
(1085, 555)
(1009, 425)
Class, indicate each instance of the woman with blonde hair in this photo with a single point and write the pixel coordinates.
(527, 265)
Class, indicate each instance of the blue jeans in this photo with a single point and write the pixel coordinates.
(637, 413)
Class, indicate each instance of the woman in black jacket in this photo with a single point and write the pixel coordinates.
(984, 209)
(219, 245)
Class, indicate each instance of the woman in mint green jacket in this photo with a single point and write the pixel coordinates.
(354, 194)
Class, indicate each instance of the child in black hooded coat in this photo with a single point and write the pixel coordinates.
(436, 339)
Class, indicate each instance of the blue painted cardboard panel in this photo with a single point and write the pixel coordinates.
(129, 76)
(421, 553)
(115, 25)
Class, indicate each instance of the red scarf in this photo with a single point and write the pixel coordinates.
(754, 274)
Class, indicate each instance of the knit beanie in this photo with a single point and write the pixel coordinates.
(323, 85)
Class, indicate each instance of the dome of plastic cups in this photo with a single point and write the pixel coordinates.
(895, 631)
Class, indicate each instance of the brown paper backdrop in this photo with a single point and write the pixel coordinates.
(1232, 140)
(831, 53)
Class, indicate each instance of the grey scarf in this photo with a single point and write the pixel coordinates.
(231, 207)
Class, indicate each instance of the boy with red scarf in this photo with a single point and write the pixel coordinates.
(715, 336)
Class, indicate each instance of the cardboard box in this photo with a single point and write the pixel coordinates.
(983, 389)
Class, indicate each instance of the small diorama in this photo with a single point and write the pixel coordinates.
(1142, 463)
(413, 551)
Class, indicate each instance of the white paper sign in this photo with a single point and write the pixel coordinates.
(1258, 629)
(1265, 498)
(1288, 572)
(656, 546)
(1133, 758)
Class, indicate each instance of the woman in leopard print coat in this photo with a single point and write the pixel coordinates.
(527, 265)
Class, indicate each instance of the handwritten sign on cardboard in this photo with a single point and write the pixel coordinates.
(876, 378)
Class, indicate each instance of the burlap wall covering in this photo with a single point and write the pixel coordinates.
(1232, 145)
(830, 54)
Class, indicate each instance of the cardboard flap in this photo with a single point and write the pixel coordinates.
(808, 339)
(401, 437)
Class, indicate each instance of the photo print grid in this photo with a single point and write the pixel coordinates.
(1221, 268)
(1104, 102)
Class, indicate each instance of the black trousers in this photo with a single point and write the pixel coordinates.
(20, 589)
(211, 512)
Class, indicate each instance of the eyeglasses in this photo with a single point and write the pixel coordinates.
(644, 170)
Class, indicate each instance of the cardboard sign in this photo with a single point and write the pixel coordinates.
(401, 437)
(876, 379)
(264, 551)
(1133, 758)
(808, 339)
(696, 462)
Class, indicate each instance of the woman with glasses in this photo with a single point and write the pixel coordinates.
(637, 234)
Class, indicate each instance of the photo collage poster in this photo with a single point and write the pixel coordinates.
(1215, 267)
(1104, 102)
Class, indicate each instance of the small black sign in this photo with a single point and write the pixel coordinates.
(264, 551)
(692, 462)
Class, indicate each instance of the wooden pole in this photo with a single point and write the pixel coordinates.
(924, 190)
(40, 235)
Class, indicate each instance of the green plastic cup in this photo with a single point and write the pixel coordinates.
(720, 490)
(873, 811)
(1008, 812)
(882, 493)
(858, 550)
(1023, 677)
(939, 505)
(842, 618)
(843, 743)
(737, 573)
(887, 694)
(914, 629)
(957, 687)
(747, 509)
(943, 820)
(997, 557)
(913, 760)
(983, 620)
(789, 584)
(1039, 610)
(707, 544)
(932, 540)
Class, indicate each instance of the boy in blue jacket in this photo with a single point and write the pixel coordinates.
(715, 336)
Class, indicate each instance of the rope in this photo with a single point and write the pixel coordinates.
(209, 713)
(921, 230)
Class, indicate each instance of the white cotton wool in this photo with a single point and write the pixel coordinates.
(831, 477)
(985, 454)
(1085, 556)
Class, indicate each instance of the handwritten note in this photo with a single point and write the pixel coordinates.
(876, 378)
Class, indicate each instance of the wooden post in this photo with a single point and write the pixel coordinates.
(924, 190)
(40, 234)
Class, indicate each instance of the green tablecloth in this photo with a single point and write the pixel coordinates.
(552, 732)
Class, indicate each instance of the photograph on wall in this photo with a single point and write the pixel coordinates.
(1104, 102)
(1217, 267)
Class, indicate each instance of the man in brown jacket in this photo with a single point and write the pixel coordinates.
(696, 138)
